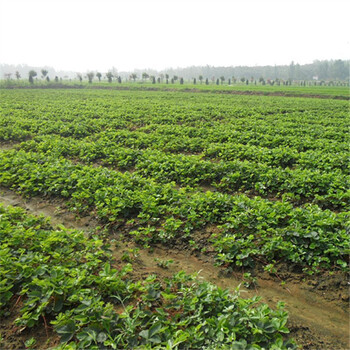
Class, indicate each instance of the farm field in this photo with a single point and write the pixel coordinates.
(146, 188)
(318, 91)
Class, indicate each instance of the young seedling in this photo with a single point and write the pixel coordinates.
(164, 264)
(29, 344)
(130, 255)
(249, 280)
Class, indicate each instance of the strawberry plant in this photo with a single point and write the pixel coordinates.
(67, 279)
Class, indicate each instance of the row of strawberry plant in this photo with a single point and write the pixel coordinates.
(308, 236)
(66, 278)
(18, 129)
(328, 189)
(201, 117)
(280, 156)
(168, 107)
(335, 158)
(200, 135)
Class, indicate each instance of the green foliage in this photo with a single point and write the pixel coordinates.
(63, 275)
(325, 189)
(164, 264)
(90, 76)
(309, 237)
(164, 152)
(30, 343)
(266, 172)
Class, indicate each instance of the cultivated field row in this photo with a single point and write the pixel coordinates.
(256, 184)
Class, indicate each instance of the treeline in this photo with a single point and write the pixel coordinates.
(327, 70)
(320, 70)
(8, 71)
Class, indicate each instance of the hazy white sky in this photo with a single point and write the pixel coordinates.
(80, 35)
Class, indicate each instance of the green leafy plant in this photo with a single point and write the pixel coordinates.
(64, 276)
(164, 264)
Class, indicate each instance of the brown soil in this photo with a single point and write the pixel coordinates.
(318, 307)
(315, 323)
(14, 337)
(5, 146)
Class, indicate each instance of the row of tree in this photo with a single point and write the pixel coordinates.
(318, 70)
(335, 70)
(166, 78)
(31, 74)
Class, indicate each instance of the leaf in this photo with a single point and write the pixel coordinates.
(155, 329)
(107, 269)
(239, 345)
(144, 334)
(101, 337)
(66, 331)
(155, 340)
(58, 304)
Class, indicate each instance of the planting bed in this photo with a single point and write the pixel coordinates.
(252, 190)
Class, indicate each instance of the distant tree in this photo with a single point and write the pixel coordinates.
(194, 81)
(48, 79)
(158, 80)
(166, 76)
(233, 80)
(242, 80)
(32, 74)
(119, 79)
(44, 73)
(56, 79)
(99, 75)
(133, 76)
(217, 81)
(109, 76)
(161, 76)
(181, 81)
(90, 76)
(7, 76)
(222, 78)
(18, 76)
(167, 81)
(291, 70)
(175, 77)
(80, 77)
(200, 78)
(339, 70)
(322, 69)
(206, 81)
(145, 76)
